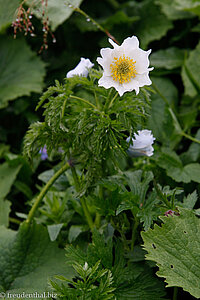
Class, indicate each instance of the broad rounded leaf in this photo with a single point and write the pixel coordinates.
(4, 212)
(21, 71)
(28, 258)
(147, 28)
(57, 10)
(191, 73)
(169, 58)
(170, 9)
(175, 247)
(7, 177)
(7, 12)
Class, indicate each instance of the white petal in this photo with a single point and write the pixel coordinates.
(113, 43)
(106, 82)
(130, 43)
(143, 79)
(141, 58)
(106, 52)
(81, 69)
(132, 85)
(105, 63)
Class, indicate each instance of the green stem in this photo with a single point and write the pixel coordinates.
(107, 99)
(44, 191)
(134, 232)
(83, 100)
(82, 199)
(176, 123)
(190, 137)
(160, 195)
(160, 94)
(89, 19)
(97, 221)
(14, 220)
(98, 216)
(175, 294)
(113, 99)
(87, 213)
(63, 109)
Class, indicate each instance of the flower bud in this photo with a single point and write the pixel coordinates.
(141, 144)
(81, 69)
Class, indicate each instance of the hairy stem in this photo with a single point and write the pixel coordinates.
(113, 99)
(44, 191)
(134, 232)
(82, 199)
(83, 100)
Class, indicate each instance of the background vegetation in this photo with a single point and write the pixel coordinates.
(126, 198)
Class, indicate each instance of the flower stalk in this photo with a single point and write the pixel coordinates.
(82, 199)
(44, 191)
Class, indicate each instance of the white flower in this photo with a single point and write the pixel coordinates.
(142, 144)
(125, 67)
(81, 69)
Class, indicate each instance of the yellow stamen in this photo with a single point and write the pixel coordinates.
(123, 69)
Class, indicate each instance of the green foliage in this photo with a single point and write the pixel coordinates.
(120, 281)
(169, 58)
(172, 10)
(7, 12)
(190, 73)
(86, 126)
(160, 120)
(175, 247)
(19, 271)
(4, 212)
(191, 6)
(147, 28)
(57, 10)
(89, 128)
(171, 162)
(92, 283)
(22, 72)
(8, 175)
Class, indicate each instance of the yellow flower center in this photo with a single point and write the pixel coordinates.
(123, 69)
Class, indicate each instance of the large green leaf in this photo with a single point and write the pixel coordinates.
(170, 9)
(169, 58)
(7, 177)
(171, 162)
(160, 120)
(28, 259)
(175, 247)
(7, 12)
(57, 10)
(188, 5)
(147, 28)
(191, 73)
(138, 282)
(21, 71)
(4, 212)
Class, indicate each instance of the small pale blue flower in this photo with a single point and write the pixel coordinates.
(43, 152)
